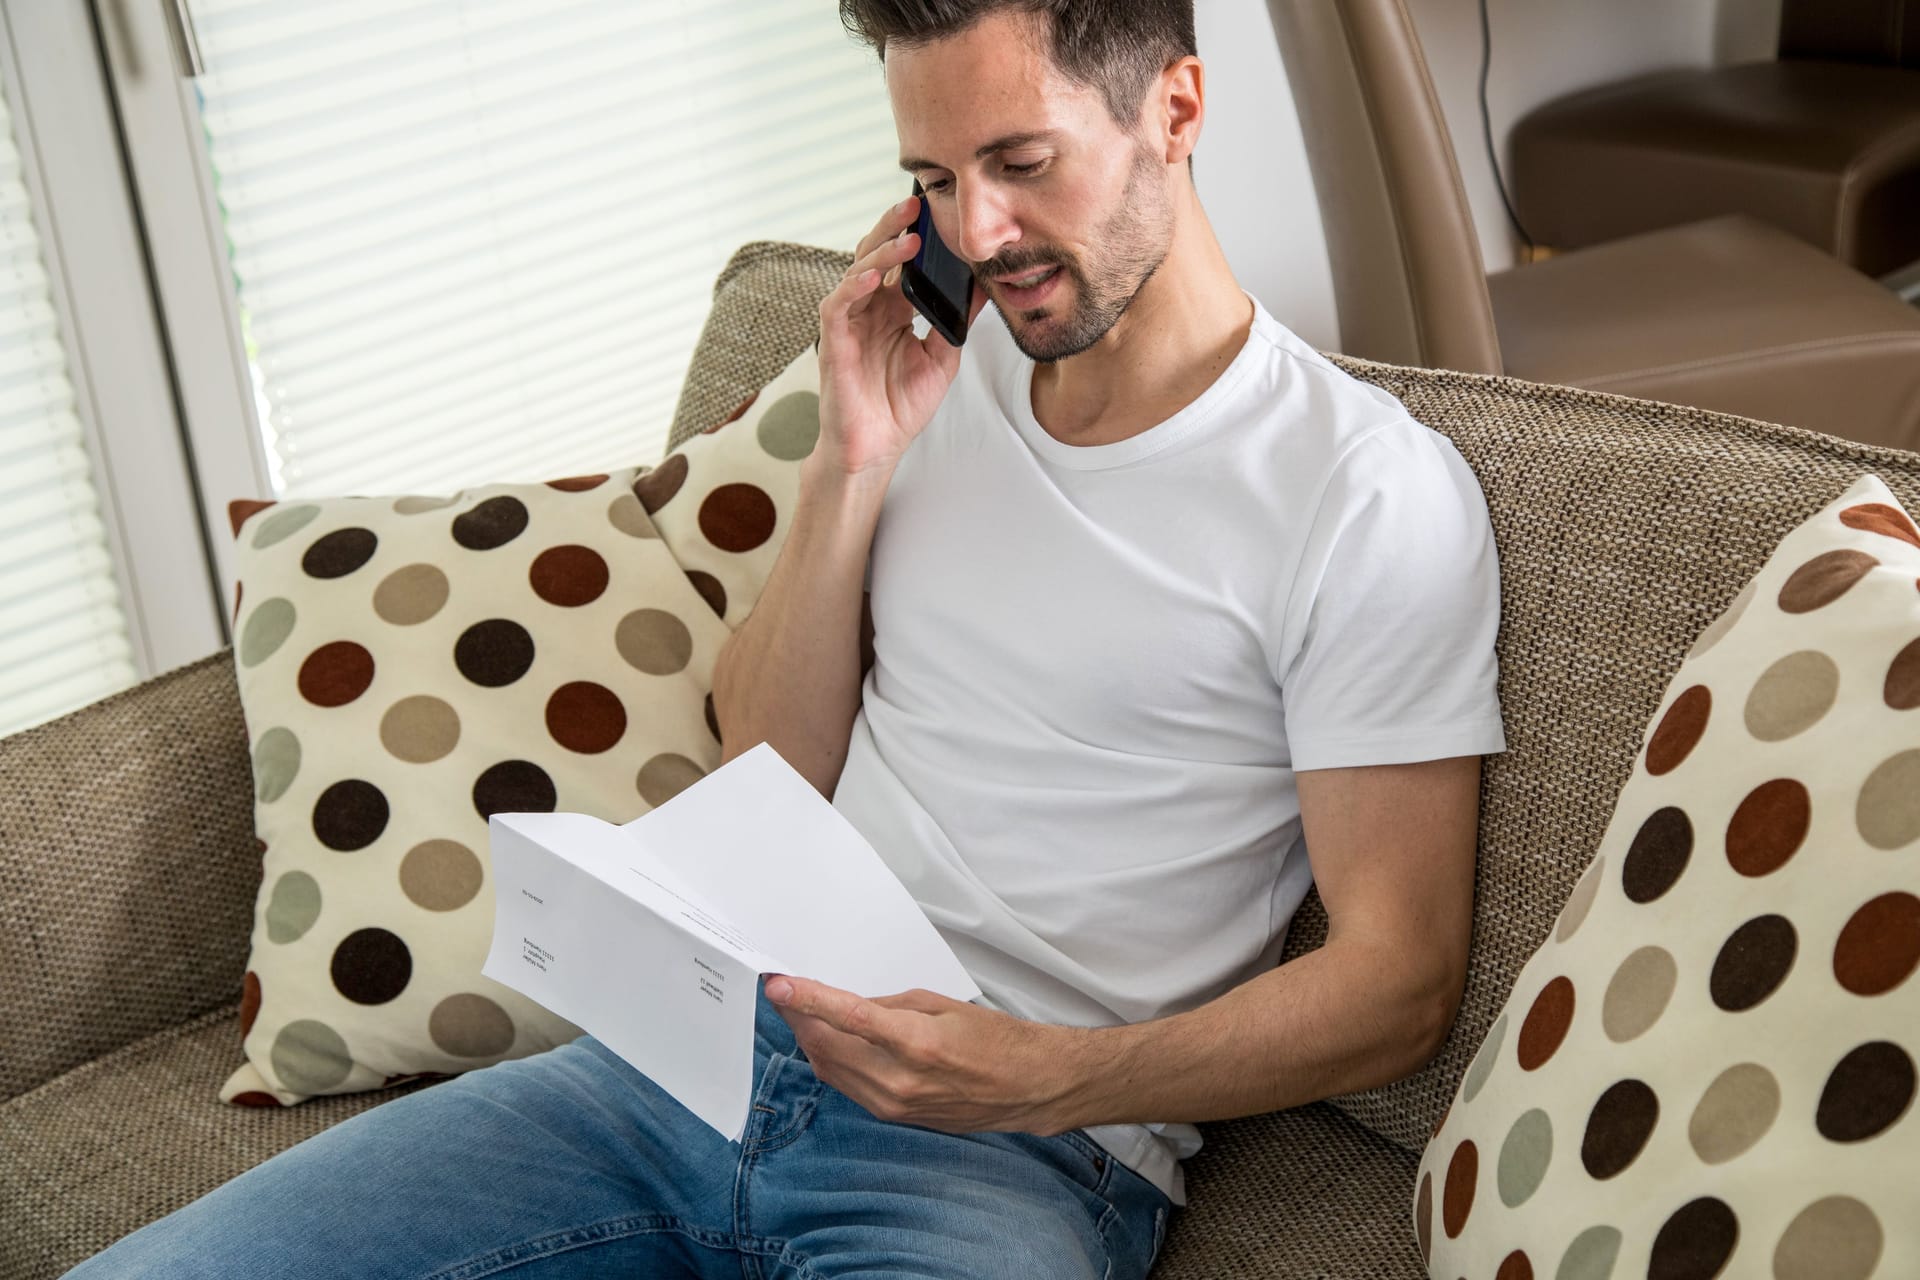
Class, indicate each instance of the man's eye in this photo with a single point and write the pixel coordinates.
(936, 188)
(1026, 170)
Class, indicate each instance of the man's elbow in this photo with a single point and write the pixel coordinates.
(1433, 1006)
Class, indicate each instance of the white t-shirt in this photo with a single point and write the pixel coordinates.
(1098, 669)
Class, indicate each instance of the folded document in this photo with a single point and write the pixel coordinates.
(652, 935)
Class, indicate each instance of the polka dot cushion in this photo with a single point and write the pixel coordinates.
(409, 666)
(1708, 1067)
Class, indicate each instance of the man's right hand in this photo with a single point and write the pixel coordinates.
(879, 384)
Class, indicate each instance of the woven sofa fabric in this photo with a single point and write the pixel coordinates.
(127, 870)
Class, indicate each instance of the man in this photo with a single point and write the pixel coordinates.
(1161, 603)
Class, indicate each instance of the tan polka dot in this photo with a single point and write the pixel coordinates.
(1580, 901)
(420, 504)
(1824, 579)
(1792, 695)
(411, 594)
(1638, 993)
(654, 641)
(440, 875)
(336, 673)
(1834, 1238)
(1902, 687)
(470, 1026)
(1888, 810)
(1679, 730)
(1769, 827)
(1734, 1113)
(1546, 1024)
(1717, 630)
(1878, 517)
(1880, 945)
(627, 515)
(1456, 1198)
(666, 776)
(657, 487)
(420, 729)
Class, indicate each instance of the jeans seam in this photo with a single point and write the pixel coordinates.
(510, 1256)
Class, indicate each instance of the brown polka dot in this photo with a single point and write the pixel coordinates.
(371, 966)
(710, 590)
(1515, 1266)
(1878, 517)
(1657, 856)
(335, 674)
(585, 717)
(249, 1001)
(1866, 1093)
(1887, 812)
(237, 588)
(1824, 579)
(1618, 1128)
(1423, 1217)
(1834, 1238)
(739, 412)
(514, 786)
(493, 653)
(420, 729)
(411, 594)
(240, 508)
(627, 515)
(1679, 730)
(440, 875)
(1753, 962)
(1792, 695)
(654, 641)
(577, 484)
(737, 517)
(1695, 1242)
(1768, 827)
(1546, 1024)
(339, 553)
(666, 776)
(713, 719)
(350, 815)
(255, 1098)
(656, 488)
(1902, 689)
(494, 523)
(1880, 945)
(568, 576)
(470, 1026)
(1456, 1199)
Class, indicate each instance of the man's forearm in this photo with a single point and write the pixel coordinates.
(790, 676)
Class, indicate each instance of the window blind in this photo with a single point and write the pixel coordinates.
(63, 636)
(475, 240)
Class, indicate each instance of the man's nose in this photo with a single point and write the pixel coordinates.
(986, 226)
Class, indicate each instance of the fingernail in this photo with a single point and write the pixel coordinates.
(779, 990)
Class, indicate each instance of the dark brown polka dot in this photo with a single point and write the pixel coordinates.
(1456, 1199)
(1695, 1242)
(493, 653)
(737, 517)
(1866, 1092)
(1878, 517)
(240, 508)
(1515, 1266)
(514, 786)
(1768, 827)
(568, 576)
(255, 1098)
(1679, 730)
(1658, 855)
(1546, 1024)
(1880, 945)
(1423, 1217)
(1824, 579)
(585, 717)
(335, 674)
(1618, 1127)
(710, 590)
(1902, 690)
(656, 488)
(494, 523)
(339, 553)
(371, 966)
(713, 719)
(249, 1001)
(350, 815)
(1753, 962)
(577, 484)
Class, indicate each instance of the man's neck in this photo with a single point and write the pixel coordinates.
(1185, 327)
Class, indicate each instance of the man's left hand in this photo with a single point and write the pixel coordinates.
(922, 1059)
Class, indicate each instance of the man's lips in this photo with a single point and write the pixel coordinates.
(1034, 275)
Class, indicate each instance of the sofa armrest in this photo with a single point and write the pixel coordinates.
(128, 870)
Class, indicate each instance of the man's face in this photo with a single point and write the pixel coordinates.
(1063, 214)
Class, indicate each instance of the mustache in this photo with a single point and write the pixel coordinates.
(1017, 262)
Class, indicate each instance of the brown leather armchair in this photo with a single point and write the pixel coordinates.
(1823, 143)
(1729, 314)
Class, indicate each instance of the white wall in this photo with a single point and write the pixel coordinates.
(1251, 167)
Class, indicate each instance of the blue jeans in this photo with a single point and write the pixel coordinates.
(571, 1163)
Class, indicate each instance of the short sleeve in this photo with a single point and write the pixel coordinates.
(1386, 637)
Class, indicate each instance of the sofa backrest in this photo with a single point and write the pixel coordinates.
(1624, 527)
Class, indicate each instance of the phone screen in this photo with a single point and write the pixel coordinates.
(938, 282)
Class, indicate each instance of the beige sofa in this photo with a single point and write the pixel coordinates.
(128, 865)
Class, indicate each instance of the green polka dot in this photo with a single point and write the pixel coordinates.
(1524, 1157)
(293, 907)
(309, 1057)
(276, 759)
(268, 627)
(1483, 1062)
(284, 524)
(790, 426)
(1591, 1255)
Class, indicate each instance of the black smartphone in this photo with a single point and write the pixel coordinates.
(937, 282)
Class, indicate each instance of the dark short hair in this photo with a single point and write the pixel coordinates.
(1114, 46)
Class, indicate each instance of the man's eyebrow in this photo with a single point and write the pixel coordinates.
(913, 164)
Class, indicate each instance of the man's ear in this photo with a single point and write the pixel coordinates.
(1182, 98)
